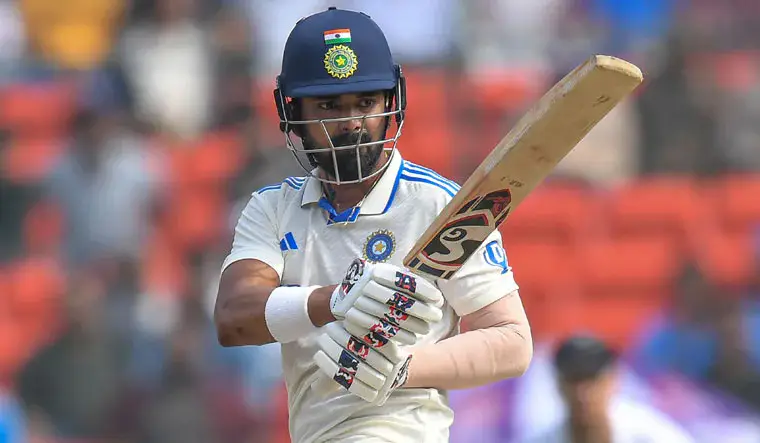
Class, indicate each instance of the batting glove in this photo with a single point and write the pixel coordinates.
(386, 302)
(369, 373)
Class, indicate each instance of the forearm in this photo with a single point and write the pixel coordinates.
(240, 316)
(472, 359)
(498, 347)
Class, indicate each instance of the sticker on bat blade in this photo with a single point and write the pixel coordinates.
(456, 241)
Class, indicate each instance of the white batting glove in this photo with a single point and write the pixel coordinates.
(387, 302)
(369, 373)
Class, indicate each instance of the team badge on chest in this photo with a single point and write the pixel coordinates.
(379, 246)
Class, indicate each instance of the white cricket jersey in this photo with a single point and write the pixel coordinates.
(294, 229)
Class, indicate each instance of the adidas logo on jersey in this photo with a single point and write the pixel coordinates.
(288, 243)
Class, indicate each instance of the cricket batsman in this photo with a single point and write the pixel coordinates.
(316, 261)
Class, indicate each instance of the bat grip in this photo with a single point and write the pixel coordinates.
(325, 386)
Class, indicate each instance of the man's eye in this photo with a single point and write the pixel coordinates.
(367, 103)
(326, 106)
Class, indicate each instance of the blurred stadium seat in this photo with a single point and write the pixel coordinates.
(30, 157)
(42, 109)
(629, 267)
(661, 205)
(736, 201)
(559, 212)
(729, 258)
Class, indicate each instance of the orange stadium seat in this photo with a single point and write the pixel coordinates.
(5, 302)
(553, 212)
(502, 90)
(30, 157)
(430, 148)
(629, 267)
(40, 109)
(212, 159)
(35, 283)
(35, 288)
(262, 102)
(614, 320)
(162, 268)
(427, 134)
(427, 98)
(658, 205)
(736, 201)
(730, 259)
(195, 216)
(547, 278)
(541, 265)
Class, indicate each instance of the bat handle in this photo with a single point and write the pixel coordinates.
(325, 386)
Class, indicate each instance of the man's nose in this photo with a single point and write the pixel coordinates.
(355, 123)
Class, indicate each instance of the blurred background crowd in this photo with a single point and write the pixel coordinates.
(132, 131)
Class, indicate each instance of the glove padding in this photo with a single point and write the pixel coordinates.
(387, 302)
(369, 373)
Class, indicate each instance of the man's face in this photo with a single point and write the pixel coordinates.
(588, 400)
(345, 133)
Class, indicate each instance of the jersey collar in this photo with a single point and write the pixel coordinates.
(380, 197)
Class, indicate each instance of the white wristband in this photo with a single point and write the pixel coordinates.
(287, 313)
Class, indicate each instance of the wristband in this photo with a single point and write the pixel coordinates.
(287, 313)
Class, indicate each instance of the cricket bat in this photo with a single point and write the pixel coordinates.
(522, 159)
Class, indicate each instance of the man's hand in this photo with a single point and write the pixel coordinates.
(371, 374)
(386, 302)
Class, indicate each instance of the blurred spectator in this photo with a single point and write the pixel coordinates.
(75, 34)
(106, 184)
(168, 61)
(13, 38)
(736, 368)
(234, 64)
(632, 27)
(179, 408)
(681, 340)
(72, 387)
(421, 33)
(142, 363)
(271, 22)
(587, 377)
(678, 132)
(511, 34)
(12, 424)
(15, 199)
(692, 333)
(608, 154)
(194, 396)
(739, 133)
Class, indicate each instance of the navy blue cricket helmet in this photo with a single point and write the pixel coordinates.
(331, 53)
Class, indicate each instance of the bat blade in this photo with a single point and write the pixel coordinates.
(523, 158)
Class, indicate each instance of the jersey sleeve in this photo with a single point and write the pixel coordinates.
(483, 279)
(256, 235)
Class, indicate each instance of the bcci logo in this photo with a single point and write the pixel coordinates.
(379, 246)
(341, 61)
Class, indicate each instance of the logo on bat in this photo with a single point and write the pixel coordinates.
(461, 236)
